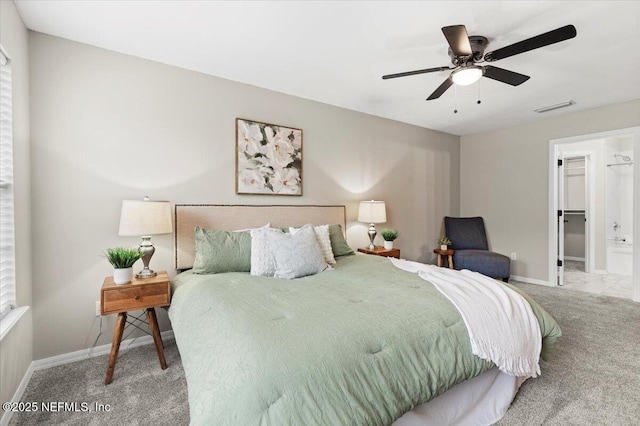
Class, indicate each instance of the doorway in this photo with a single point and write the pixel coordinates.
(576, 207)
(594, 192)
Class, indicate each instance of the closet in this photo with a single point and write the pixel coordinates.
(574, 209)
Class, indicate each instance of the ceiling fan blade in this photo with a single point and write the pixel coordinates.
(441, 89)
(505, 76)
(458, 40)
(404, 74)
(551, 37)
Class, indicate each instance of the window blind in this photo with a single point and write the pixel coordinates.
(7, 234)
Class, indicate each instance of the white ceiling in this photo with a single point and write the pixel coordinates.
(336, 52)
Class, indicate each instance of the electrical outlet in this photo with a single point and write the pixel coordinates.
(513, 256)
(97, 308)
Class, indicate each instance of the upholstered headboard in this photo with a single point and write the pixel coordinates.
(234, 217)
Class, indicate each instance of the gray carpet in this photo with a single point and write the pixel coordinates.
(593, 376)
(141, 393)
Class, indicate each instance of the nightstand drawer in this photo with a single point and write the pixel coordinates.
(135, 297)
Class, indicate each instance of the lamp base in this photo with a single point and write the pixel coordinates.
(147, 249)
(372, 236)
(146, 273)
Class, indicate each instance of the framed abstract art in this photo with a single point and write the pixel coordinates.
(268, 159)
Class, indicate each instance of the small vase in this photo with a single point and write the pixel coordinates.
(122, 275)
(444, 247)
(388, 245)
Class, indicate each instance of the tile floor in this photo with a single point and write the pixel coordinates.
(609, 284)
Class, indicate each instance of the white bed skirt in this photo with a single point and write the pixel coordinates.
(482, 400)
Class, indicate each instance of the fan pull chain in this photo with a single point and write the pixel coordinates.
(478, 101)
(455, 98)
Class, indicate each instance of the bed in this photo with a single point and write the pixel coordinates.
(362, 344)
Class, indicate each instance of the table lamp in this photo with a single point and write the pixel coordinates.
(372, 212)
(145, 218)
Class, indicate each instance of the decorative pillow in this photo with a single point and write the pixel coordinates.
(338, 243)
(262, 260)
(322, 234)
(297, 255)
(221, 251)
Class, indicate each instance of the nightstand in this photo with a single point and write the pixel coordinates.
(381, 251)
(441, 253)
(147, 294)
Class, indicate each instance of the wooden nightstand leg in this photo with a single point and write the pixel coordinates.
(439, 260)
(115, 345)
(450, 262)
(155, 332)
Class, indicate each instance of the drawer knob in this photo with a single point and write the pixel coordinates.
(137, 297)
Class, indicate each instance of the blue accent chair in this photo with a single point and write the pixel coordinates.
(469, 240)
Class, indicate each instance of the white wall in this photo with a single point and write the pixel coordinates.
(619, 189)
(16, 347)
(504, 176)
(108, 127)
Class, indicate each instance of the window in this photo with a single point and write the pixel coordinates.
(7, 235)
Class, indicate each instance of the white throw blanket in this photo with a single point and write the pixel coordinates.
(501, 324)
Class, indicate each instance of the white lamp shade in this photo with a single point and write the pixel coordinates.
(140, 218)
(372, 212)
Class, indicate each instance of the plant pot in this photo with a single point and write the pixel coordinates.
(388, 245)
(122, 275)
(444, 247)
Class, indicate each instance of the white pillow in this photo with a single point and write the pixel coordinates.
(262, 260)
(322, 234)
(297, 255)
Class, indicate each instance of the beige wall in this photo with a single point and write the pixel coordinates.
(16, 347)
(108, 127)
(505, 178)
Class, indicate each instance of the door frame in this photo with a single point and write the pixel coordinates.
(554, 146)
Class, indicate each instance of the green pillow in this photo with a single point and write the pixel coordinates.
(222, 251)
(338, 243)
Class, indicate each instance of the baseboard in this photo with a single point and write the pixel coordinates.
(54, 361)
(530, 280)
(578, 259)
(17, 396)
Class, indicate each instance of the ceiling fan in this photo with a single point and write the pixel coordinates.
(467, 52)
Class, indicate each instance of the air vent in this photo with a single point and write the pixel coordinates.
(556, 106)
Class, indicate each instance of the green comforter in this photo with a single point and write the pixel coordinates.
(358, 345)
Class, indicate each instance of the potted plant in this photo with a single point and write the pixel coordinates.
(444, 242)
(388, 235)
(122, 260)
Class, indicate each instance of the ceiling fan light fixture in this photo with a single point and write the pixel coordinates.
(466, 51)
(467, 75)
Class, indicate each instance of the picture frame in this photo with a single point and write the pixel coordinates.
(268, 159)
